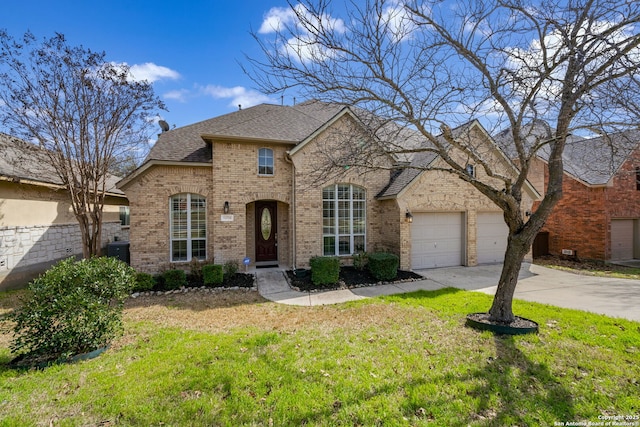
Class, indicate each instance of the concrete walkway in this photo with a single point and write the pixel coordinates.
(613, 297)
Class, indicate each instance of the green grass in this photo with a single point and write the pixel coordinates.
(591, 268)
(400, 360)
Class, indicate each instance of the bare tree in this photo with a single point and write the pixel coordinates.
(85, 113)
(428, 67)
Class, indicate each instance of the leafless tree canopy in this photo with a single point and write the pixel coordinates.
(541, 71)
(85, 113)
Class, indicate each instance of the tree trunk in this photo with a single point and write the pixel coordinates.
(501, 309)
(91, 234)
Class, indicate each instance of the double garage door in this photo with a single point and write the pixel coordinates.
(438, 239)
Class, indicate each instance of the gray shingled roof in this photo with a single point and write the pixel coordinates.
(289, 124)
(420, 162)
(21, 160)
(592, 160)
(596, 160)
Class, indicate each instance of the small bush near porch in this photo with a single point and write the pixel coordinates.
(348, 277)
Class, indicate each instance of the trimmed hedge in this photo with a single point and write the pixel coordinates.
(212, 274)
(144, 282)
(174, 279)
(383, 265)
(325, 270)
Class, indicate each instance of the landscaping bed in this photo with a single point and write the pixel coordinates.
(350, 277)
(195, 282)
(588, 267)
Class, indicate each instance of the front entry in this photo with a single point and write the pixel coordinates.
(266, 231)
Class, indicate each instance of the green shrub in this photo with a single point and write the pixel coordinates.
(73, 308)
(144, 282)
(174, 279)
(360, 260)
(231, 268)
(212, 274)
(383, 265)
(325, 270)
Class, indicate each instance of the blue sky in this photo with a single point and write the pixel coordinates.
(190, 49)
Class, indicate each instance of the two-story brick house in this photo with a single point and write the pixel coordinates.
(243, 185)
(598, 216)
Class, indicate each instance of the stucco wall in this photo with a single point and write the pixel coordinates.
(29, 205)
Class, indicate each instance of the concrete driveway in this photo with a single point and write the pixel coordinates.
(613, 297)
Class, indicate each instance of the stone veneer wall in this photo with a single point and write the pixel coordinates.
(26, 251)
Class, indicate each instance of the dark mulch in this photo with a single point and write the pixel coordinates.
(519, 326)
(240, 280)
(350, 277)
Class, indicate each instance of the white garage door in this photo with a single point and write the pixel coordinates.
(621, 239)
(491, 237)
(437, 240)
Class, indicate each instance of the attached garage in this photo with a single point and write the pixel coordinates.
(491, 237)
(621, 239)
(437, 240)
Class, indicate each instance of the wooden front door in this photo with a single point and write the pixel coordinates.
(266, 231)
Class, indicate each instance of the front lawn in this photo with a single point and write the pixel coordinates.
(234, 359)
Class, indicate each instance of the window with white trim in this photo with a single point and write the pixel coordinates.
(265, 161)
(343, 219)
(188, 227)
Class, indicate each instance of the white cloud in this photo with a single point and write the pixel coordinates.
(151, 72)
(399, 21)
(177, 95)
(276, 19)
(238, 95)
(304, 46)
(596, 44)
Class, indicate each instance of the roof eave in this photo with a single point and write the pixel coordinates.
(208, 138)
(150, 163)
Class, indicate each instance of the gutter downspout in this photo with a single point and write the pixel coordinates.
(287, 158)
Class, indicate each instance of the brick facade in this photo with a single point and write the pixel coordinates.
(581, 221)
(296, 186)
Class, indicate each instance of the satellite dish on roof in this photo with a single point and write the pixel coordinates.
(163, 125)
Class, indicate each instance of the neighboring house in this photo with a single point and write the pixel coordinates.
(37, 224)
(243, 185)
(598, 216)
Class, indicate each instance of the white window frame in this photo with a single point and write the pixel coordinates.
(271, 158)
(336, 233)
(189, 239)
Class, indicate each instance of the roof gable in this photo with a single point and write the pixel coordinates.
(592, 161)
(264, 122)
(421, 162)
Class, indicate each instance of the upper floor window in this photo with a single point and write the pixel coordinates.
(471, 170)
(265, 161)
(638, 178)
(343, 219)
(188, 227)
